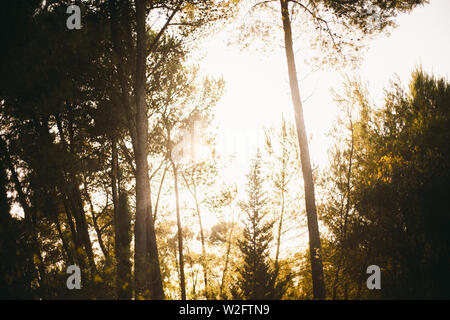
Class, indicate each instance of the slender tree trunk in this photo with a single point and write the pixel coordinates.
(82, 226)
(145, 238)
(313, 227)
(193, 192)
(69, 254)
(96, 227)
(280, 228)
(180, 234)
(54, 213)
(202, 238)
(155, 278)
(121, 230)
(123, 236)
(5, 216)
(155, 214)
(227, 258)
(62, 186)
(75, 238)
(74, 195)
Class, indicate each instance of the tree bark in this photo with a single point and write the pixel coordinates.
(95, 223)
(155, 214)
(75, 237)
(279, 231)
(121, 230)
(311, 213)
(55, 216)
(193, 192)
(227, 258)
(180, 234)
(5, 216)
(123, 240)
(202, 237)
(73, 194)
(145, 238)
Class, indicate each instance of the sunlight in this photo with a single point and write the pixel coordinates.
(150, 148)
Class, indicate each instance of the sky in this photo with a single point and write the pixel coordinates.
(257, 89)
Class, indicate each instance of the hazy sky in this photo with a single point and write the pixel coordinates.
(257, 88)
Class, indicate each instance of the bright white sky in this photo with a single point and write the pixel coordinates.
(257, 88)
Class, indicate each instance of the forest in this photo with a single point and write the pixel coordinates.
(112, 172)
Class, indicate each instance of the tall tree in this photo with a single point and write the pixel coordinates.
(311, 212)
(281, 146)
(257, 278)
(331, 18)
(186, 17)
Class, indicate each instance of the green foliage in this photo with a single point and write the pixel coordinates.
(396, 208)
(256, 276)
(335, 31)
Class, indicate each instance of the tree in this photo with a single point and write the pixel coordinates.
(338, 210)
(328, 17)
(193, 177)
(188, 16)
(398, 176)
(193, 101)
(62, 153)
(44, 134)
(223, 233)
(283, 155)
(199, 178)
(67, 133)
(257, 278)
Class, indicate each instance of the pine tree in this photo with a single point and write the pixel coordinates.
(256, 277)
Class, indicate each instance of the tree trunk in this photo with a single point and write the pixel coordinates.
(140, 230)
(95, 223)
(279, 231)
(76, 204)
(313, 227)
(145, 238)
(180, 234)
(193, 192)
(55, 215)
(227, 258)
(5, 216)
(122, 230)
(73, 194)
(154, 278)
(155, 214)
(202, 237)
(123, 240)
(75, 238)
